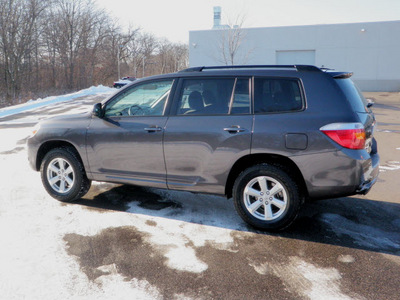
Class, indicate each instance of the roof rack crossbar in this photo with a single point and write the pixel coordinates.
(297, 67)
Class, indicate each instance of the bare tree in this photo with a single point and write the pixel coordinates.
(164, 54)
(230, 42)
(148, 46)
(52, 46)
(133, 57)
(74, 21)
(130, 50)
(17, 25)
(180, 57)
(171, 57)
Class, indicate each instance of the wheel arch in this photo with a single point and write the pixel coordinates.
(50, 145)
(272, 159)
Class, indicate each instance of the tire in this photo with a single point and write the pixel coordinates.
(63, 175)
(266, 197)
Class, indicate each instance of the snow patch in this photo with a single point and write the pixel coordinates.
(346, 259)
(184, 259)
(391, 165)
(306, 279)
(116, 287)
(386, 131)
(13, 138)
(178, 239)
(324, 282)
(262, 269)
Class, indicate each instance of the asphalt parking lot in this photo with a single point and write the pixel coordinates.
(121, 242)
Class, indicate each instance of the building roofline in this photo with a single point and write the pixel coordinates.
(306, 25)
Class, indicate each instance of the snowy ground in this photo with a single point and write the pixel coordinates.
(122, 242)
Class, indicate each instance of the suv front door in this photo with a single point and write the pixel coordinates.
(208, 131)
(126, 144)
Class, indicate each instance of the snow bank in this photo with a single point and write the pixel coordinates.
(33, 104)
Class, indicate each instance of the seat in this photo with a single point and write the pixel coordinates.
(214, 105)
(195, 102)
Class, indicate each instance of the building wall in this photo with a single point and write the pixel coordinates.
(370, 50)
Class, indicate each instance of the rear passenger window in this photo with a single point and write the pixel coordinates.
(214, 96)
(277, 95)
(241, 98)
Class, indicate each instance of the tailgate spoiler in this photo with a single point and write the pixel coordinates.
(340, 75)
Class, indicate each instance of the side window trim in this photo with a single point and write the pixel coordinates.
(232, 96)
(249, 94)
(171, 97)
(173, 110)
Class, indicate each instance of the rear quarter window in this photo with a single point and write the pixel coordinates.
(277, 95)
(353, 94)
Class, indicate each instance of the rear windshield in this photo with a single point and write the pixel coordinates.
(353, 94)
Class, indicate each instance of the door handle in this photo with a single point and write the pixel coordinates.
(153, 129)
(234, 129)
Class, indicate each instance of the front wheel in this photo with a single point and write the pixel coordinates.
(63, 175)
(266, 197)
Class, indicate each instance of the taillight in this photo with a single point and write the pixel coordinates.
(348, 135)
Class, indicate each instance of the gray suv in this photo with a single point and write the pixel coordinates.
(271, 137)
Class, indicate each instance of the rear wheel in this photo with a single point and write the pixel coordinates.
(63, 175)
(266, 197)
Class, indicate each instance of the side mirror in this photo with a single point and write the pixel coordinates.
(98, 110)
(370, 102)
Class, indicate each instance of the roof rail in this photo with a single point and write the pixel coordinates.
(297, 67)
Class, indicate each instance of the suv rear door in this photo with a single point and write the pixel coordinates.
(209, 129)
(278, 125)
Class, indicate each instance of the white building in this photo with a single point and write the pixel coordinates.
(370, 50)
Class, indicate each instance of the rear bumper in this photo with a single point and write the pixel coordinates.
(370, 174)
(339, 173)
(365, 187)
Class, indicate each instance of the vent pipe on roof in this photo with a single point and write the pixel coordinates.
(217, 16)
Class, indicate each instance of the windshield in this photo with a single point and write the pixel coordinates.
(145, 99)
(353, 94)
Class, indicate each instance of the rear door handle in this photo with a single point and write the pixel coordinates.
(153, 129)
(234, 129)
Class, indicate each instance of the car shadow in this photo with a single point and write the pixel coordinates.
(106, 196)
(353, 222)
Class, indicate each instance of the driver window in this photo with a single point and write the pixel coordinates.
(146, 99)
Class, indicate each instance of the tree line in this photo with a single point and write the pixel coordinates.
(49, 47)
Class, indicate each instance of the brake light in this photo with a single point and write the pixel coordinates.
(348, 135)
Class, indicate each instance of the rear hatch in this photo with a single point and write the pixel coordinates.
(360, 106)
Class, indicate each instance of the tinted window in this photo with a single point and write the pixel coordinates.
(146, 99)
(353, 94)
(277, 95)
(241, 98)
(214, 96)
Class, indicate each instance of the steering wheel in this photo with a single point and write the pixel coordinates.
(134, 109)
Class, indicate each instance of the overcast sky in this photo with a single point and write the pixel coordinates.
(174, 19)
